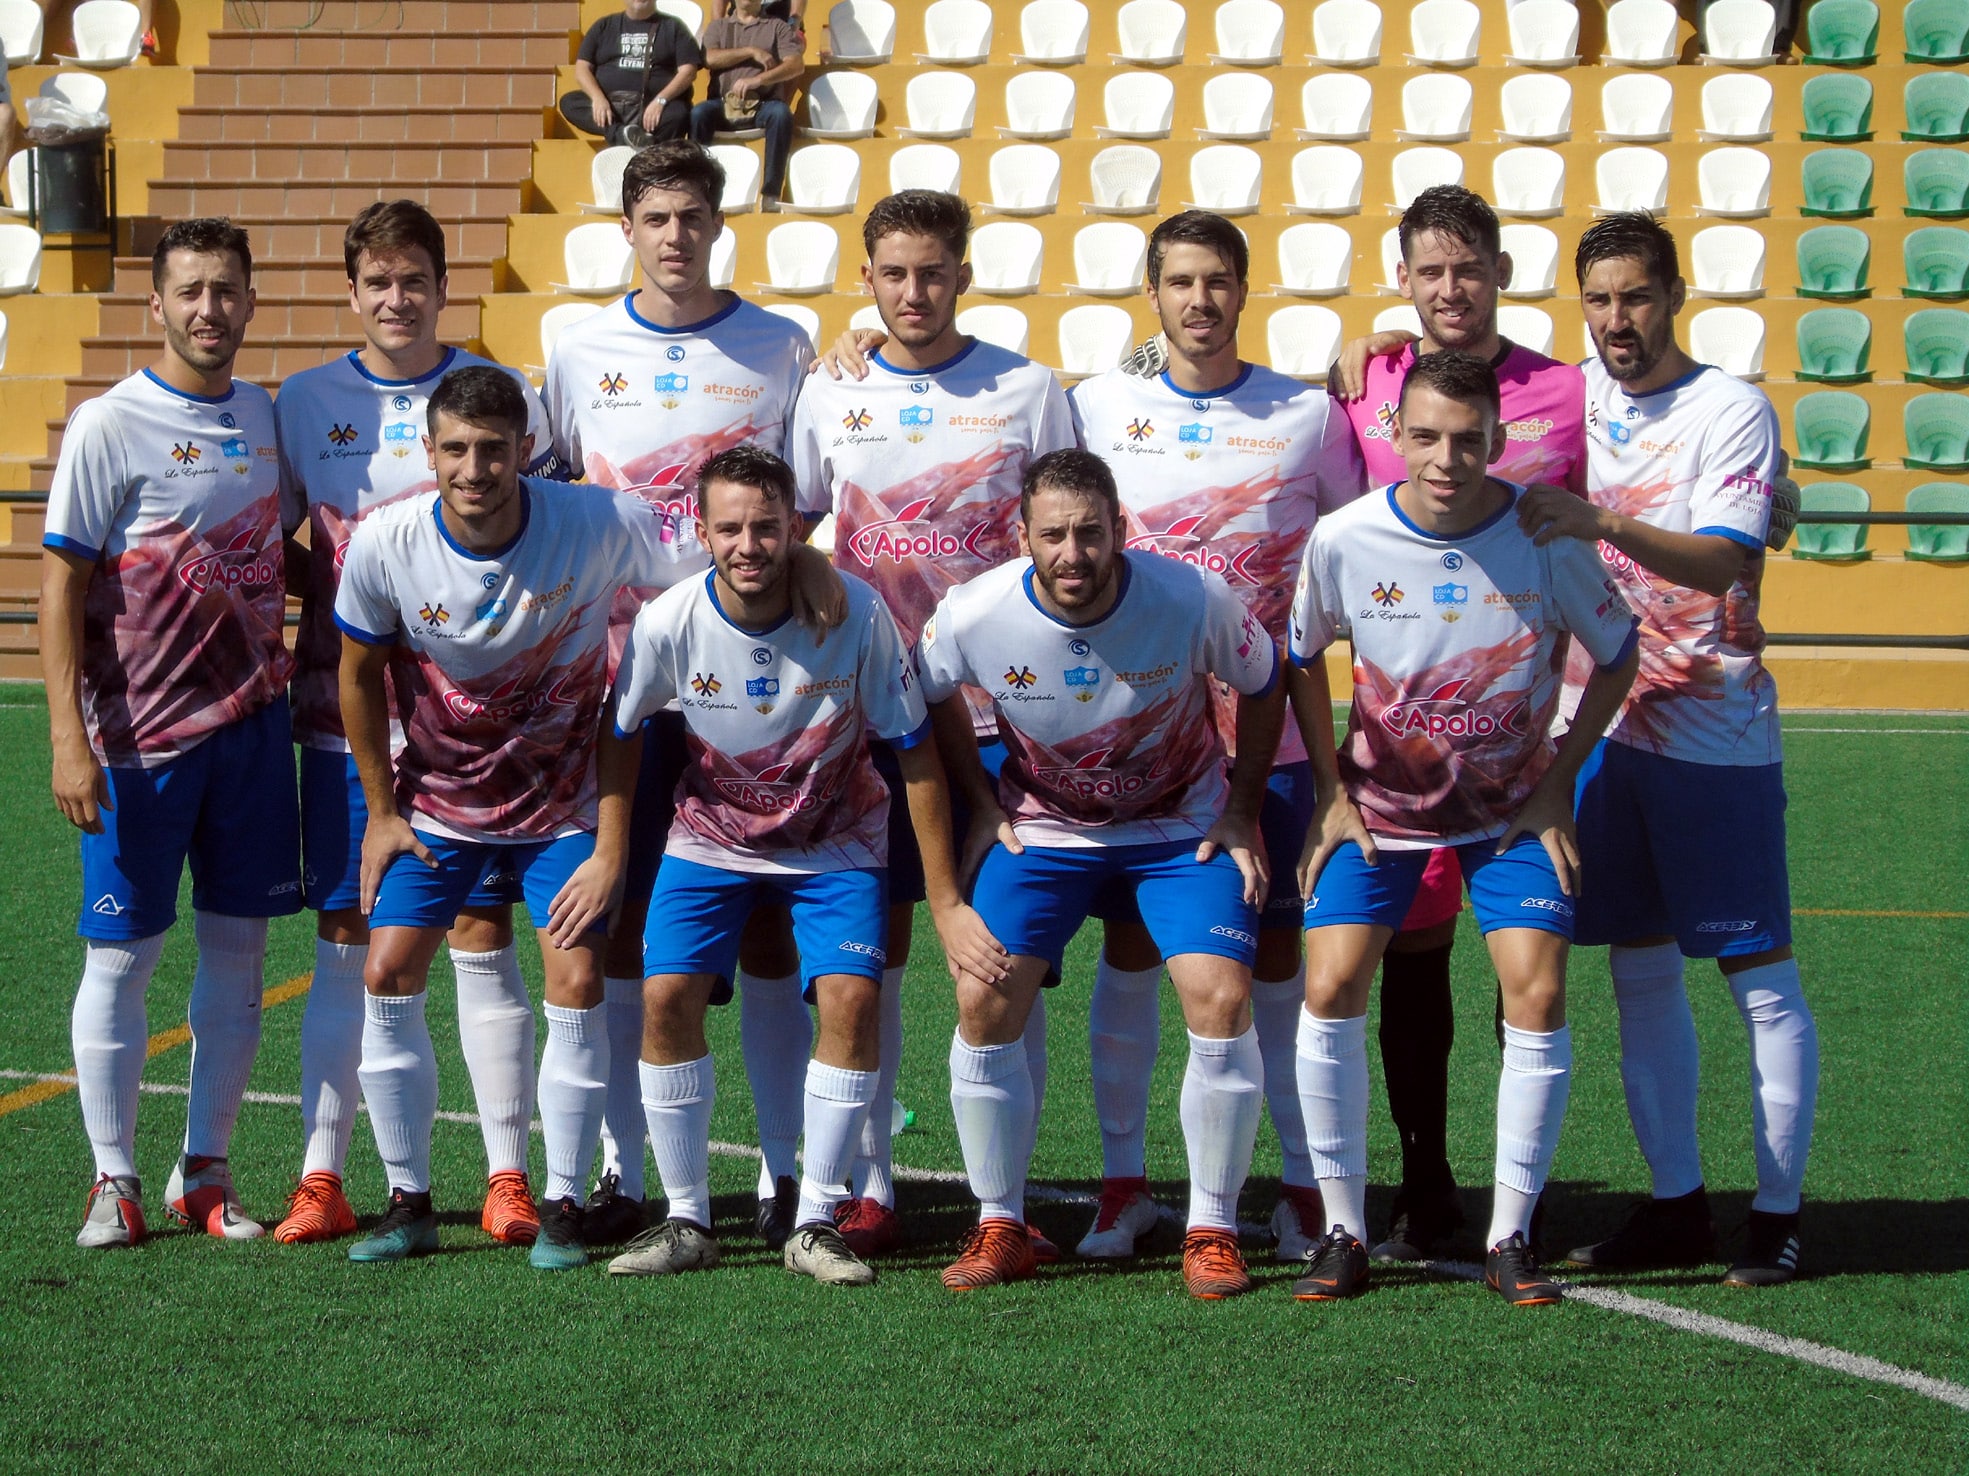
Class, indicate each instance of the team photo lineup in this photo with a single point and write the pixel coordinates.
(1073, 655)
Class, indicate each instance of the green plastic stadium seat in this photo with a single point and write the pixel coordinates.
(1937, 183)
(1937, 343)
(1937, 427)
(1938, 543)
(1937, 106)
(1843, 543)
(1937, 262)
(1936, 31)
(1837, 182)
(1838, 108)
(1833, 344)
(1832, 262)
(1829, 429)
(1842, 33)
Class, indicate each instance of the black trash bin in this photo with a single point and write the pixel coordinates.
(71, 186)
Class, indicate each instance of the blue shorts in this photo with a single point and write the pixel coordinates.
(228, 806)
(697, 912)
(1693, 850)
(1519, 889)
(334, 814)
(412, 895)
(905, 855)
(664, 756)
(1034, 903)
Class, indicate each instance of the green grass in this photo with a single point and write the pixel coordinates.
(197, 1355)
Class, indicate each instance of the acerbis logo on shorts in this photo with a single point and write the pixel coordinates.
(108, 906)
(867, 950)
(1236, 935)
(1549, 904)
(285, 888)
(1741, 925)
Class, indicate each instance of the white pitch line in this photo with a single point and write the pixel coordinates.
(1944, 732)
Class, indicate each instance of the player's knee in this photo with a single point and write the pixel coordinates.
(482, 930)
(1536, 1003)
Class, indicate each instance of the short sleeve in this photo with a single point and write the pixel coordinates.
(591, 44)
(1239, 651)
(547, 460)
(1055, 430)
(1589, 602)
(940, 663)
(650, 560)
(365, 603)
(293, 486)
(1739, 461)
(1077, 407)
(557, 406)
(786, 43)
(684, 50)
(1342, 474)
(1315, 624)
(813, 495)
(91, 482)
(644, 684)
(890, 695)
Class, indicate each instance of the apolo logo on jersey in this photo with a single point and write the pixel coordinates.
(1179, 541)
(241, 564)
(895, 539)
(766, 794)
(678, 512)
(1444, 714)
(1089, 777)
(512, 700)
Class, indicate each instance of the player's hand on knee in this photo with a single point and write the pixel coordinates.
(82, 791)
(1238, 837)
(820, 599)
(584, 900)
(1548, 816)
(969, 947)
(849, 353)
(1335, 822)
(384, 839)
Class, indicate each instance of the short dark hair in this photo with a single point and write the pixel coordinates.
(676, 165)
(393, 227)
(749, 466)
(1071, 470)
(1199, 228)
(919, 213)
(208, 235)
(1631, 234)
(1450, 210)
(1458, 376)
(480, 394)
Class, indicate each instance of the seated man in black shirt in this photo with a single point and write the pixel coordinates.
(636, 71)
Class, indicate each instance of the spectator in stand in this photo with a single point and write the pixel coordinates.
(755, 61)
(793, 12)
(635, 69)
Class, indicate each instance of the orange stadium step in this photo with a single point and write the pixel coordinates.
(459, 15)
(333, 201)
(408, 87)
(278, 278)
(327, 161)
(470, 123)
(445, 50)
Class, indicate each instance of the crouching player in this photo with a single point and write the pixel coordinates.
(779, 802)
(1446, 746)
(499, 588)
(1098, 662)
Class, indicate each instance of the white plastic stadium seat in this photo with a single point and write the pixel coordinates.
(107, 34)
(1237, 105)
(1735, 183)
(1315, 258)
(1337, 105)
(1250, 33)
(556, 319)
(724, 259)
(1025, 180)
(1109, 258)
(926, 166)
(1391, 260)
(1435, 107)
(598, 260)
(1537, 108)
(1053, 33)
(605, 179)
(1736, 106)
(1631, 179)
(1544, 33)
(823, 179)
(1534, 253)
(1124, 180)
(1152, 33)
(866, 319)
(1225, 178)
(1038, 105)
(1529, 182)
(688, 12)
(1303, 340)
(1137, 105)
(20, 186)
(1327, 179)
(1529, 326)
(1731, 338)
(1739, 33)
(1401, 318)
(861, 33)
(741, 167)
(20, 32)
(1444, 33)
(841, 105)
(83, 91)
(796, 312)
(1413, 170)
(1727, 261)
(1094, 337)
(1637, 107)
(801, 258)
(1640, 33)
(939, 105)
(956, 33)
(3, 340)
(1347, 33)
(1006, 257)
(996, 324)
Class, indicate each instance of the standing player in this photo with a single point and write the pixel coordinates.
(640, 396)
(920, 463)
(780, 800)
(1446, 746)
(1099, 662)
(1681, 809)
(351, 435)
(500, 588)
(162, 597)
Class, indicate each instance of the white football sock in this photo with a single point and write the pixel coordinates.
(225, 1026)
(331, 1053)
(1659, 1063)
(573, 1093)
(1531, 1104)
(1124, 1027)
(837, 1104)
(677, 1103)
(874, 1172)
(1784, 1079)
(400, 1083)
(1331, 1069)
(1275, 1007)
(496, 1032)
(1035, 1044)
(624, 1129)
(110, 1033)
(991, 1101)
(776, 1036)
(1223, 1095)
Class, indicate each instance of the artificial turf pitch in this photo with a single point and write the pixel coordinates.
(194, 1354)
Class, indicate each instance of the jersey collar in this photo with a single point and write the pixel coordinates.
(526, 516)
(711, 589)
(935, 369)
(1467, 534)
(1127, 577)
(231, 389)
(1243, 373)
(355, 363)
(629, 306)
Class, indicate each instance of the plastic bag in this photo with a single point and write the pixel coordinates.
(55, 122)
